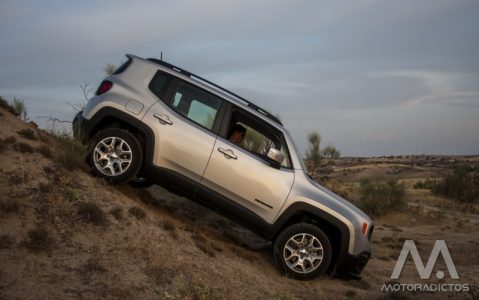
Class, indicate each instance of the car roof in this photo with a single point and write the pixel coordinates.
(212, 87)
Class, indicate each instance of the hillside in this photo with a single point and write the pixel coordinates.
(67, 235)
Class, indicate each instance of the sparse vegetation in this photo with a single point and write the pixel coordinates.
(4, 143)
(137, 212)
(6, 241)
(313, 154)
(91, 213)
(5, 105)
(379, 197)
(71, 153)
(9, 206)
(45, 151)
(39, 239)
(461, 185)
(117, 212)
(330, 152)
(203, 244)
(27, 133)
(23, 147)
(71, 194)
(19, 108)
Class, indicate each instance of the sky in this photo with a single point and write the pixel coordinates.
(374, 77)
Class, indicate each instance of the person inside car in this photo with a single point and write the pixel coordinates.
(237, 134)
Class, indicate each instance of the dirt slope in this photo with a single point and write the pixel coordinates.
(67, 235)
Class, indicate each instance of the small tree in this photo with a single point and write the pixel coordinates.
(313, 154)
(19, 108)
(331, 153)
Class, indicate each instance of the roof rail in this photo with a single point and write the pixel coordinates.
(192, 75)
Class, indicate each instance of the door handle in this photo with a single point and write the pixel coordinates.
(163, 119)
(228, 153)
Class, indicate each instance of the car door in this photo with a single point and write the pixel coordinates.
(242, 174)
(183, 125)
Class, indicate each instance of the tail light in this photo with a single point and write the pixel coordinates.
(104, 87)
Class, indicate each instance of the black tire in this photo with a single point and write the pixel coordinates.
(310, 266)
(140, 182)
(119, 148)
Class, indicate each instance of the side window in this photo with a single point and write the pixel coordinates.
(159, 83)
(256, 136)
(196, 104)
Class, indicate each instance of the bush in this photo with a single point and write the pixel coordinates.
(27, 133)
(462, 185)
(71, 153)
(91, 213)
(45, 151)
(381, 197)
(38, 240)
(23, 148)
(7, 106)
(20, 110)
(137, 212)
(427, 184)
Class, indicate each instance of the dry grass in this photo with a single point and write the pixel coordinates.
(39, 239)
(28, 134)
(203, 244)
(9, 206)
(6, 241)
(23, 147)
(71, 153)
(117, 212)
(45, 151)
(91, 213)
(137, 212)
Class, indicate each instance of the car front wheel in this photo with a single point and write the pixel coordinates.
(115, 155)
(302, 251)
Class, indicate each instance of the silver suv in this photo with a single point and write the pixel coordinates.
(153, 122)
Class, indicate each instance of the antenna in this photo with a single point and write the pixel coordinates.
(161, 55)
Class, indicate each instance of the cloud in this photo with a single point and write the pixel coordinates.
(343, 67)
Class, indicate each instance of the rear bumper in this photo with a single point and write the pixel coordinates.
(351, 266)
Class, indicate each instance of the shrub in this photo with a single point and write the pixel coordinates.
(137, 212)
(27, 133)
(117, 212)
(91, 213)
(38, 240)
(71, 194)
(6, 241)
(45, 151)
(427, 184)
(381, 197)
(71, 153)
(23, 148)
(7, 106)
(462, 185)
(9, 206)
(19, 108)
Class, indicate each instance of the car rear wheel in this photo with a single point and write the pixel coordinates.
(115, 155)
(302, 251)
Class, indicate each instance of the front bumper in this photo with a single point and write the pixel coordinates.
(351, 266)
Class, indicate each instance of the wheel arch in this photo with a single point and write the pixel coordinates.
(337, 231)
(112, 118)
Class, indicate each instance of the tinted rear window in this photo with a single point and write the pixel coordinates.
(159, 84)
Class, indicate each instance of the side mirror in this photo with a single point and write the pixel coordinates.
(275, 155)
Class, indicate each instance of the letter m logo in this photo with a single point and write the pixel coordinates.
(425, 271)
